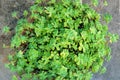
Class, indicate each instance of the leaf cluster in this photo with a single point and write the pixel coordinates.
(60, 40)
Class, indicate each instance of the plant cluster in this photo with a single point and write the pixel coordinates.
(60, 40)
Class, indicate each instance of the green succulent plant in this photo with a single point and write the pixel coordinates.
(60, 40)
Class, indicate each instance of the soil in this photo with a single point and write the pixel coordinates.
(8, 6)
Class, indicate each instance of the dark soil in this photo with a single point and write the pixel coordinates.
(6, 8)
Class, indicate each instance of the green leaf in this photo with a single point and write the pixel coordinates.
(34, 16)
(6, 30)
(19, 69)
(42, 75)
(95, 68)
(63, 71)
(84, 34)
(64, 53)
(38, 1)
(22, 62)
(95, 2)
(81, 46)
(23, 39)
(25, 13)
(93, 30)
(26, 76)
(105, 3)
(32, 45)
(38, 31)
(10, 57)
(16, 41)
(108, 58)
(50, 11)
(89, 13)
(33, 54)
(15, 14)
(114, 38)
(19, 54)
(103, 70)
(29, 67)
(88, 75)
(71, 34)
(107, 17)
(52, 1)
(14, 78)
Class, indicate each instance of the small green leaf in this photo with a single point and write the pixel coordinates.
(95, 2)
(71, 34)
(19, 54)
(26, 76)
(15, 14)
(107, 17)
(10, 57)
(38, 31)
(33, 54)
(64, 53)
(81, 46)
(25, 13)
(42, 75)
(103, 70)
(84, 34)
(108, 58)
(23, 39)
(16, 41)
(105, 3)
(95, 68)
(29, 68)
(113, 37)
(52, 1)
(63, 71)
(93, 30)
(19, 68)
(14, 78)
(38, 1)
(6, 29)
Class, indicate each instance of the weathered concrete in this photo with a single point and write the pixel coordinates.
(113, 67)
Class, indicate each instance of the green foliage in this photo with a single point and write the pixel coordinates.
(105, 3)
(6, 30)
(14, 78)
(15, 14)
(107, 17)
(25, 13)
(62, 40)
(95, 2)
(103, 70)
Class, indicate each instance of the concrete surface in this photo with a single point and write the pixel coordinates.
(5, 74)
(113, 67)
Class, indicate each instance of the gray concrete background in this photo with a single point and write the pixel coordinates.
(113, 67)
